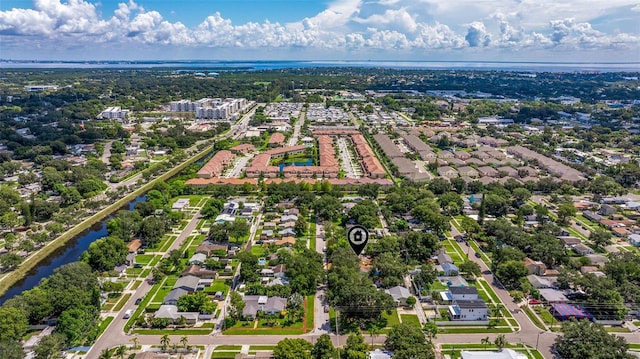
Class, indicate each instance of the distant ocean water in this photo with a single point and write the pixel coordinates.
(208, 66)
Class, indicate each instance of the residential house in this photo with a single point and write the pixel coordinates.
(399, 294)
(607, 210)
(447, 172)
(198, 259)
(464, 293)
(510, 171)
(288, 218)
(445, 155)
(597, 259)
(581, 249)
(467, 171)
(634, 239)
(172, 313)
(288, 232)
(534, 267)
(285, 241)
(467, 310)
(552, 295)
(264, 304)
(180, 205)
(197, 271)
(442, 257)
(462, 155)
(569, 241)
(447, 269)
(592, 216)
(208, 248)
(487, 171)
(542, 282)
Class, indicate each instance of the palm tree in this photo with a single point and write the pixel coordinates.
(497, 311)
(374, 331)
(184, 341)
(106, 354)
(121, 351)
(164, 341)
(135, 342)
(500, 342)
(486, 341)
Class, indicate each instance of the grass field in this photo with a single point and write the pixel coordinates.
(410, 319)
(122, 302)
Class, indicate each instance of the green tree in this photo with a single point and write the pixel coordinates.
(500, 342)
(11, 349)
(430, 330)
(511, 273)
(485, 341)
(13, 323)
(212, 208)
(495, 205)
(600, 238)
(586, 340)
(164, 342)
(355, 348)
(236, 305)
(105, 253)
(301, 227)
(565, 211)
(470, 267)
(120, 351)
(408, 342)
(50, 347)
(292, 349)
(323, 348)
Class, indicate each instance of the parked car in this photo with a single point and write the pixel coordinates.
(138, 301)
(478, 255)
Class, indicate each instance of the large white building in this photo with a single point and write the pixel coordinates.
(115, 113)
(210, 108)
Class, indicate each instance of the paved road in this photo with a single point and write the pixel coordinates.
(296, 129)
(347, 159)
(114, 334)
(528, 332)
(321, 319)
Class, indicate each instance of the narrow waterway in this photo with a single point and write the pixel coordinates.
(71, 252)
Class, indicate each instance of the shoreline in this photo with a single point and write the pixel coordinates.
(10, 278)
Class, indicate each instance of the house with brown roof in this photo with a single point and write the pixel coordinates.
(285, 241)
(208, 248)
(447, 172)
(534, 267)
(276, 140)
(462, 155)
(200, 272)
(243, 149)
(445, 155)
(467, 171)
(134, 245)
(510, 171)
(487, 171)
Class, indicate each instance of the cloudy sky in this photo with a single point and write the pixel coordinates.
(427, 30)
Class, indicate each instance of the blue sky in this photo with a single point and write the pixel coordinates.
(504, 30)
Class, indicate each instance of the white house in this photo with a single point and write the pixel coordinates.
(634, 239)
(464, 293)
(469, 310)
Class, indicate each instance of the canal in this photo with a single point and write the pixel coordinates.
(69, 253)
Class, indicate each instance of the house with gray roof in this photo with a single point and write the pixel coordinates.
(464, 293)
(443, 257)
(469, 310)
(172, 313)
(399, 294)
(262, 303)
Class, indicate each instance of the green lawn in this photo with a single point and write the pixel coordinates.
(257, 250)
(144, 258)
(309, 314)
(228, 347)
(411, 319)
(104, 324)
(534, 318)
(224, 355)
(479, 329)
(136, 284)
(122, 302)
(187, 331)
(262, 347)
(487, 288)
(392, 319)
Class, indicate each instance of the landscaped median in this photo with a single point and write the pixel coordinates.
(12, 277)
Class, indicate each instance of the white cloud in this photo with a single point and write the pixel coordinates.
(407, 25)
